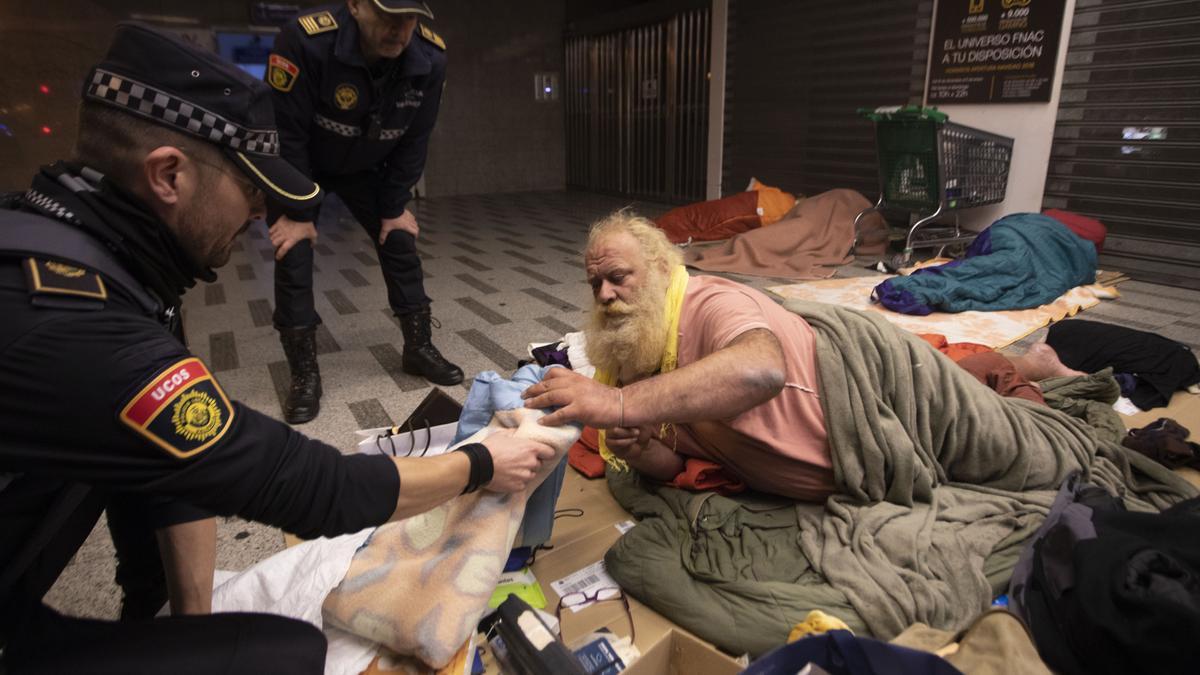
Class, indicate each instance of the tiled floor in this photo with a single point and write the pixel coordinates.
(503, 271)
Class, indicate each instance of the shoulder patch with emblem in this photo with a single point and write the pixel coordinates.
(182, 410)
(281, 73)
(433, 37)
(50, 278)
(317, 23)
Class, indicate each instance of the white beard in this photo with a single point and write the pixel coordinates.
(629, 338)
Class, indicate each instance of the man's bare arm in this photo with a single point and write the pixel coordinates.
(724, 384)
(746, 373)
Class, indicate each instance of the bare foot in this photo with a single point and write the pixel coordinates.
(1041, 362)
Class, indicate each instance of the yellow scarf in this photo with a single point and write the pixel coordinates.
(674, 302)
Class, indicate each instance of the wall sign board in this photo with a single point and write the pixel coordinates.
(994, 51)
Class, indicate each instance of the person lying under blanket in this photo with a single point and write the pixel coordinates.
(928, 483)
(732, 371)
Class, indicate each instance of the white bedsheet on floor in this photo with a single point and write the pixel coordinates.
(294, 583)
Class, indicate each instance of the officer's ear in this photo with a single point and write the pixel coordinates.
(162, 170)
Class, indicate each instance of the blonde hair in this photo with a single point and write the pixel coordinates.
(652, 241)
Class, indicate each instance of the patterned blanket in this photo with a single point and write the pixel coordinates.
(419, 586)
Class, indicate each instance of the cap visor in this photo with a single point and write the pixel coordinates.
(279, 180)
(404, 7)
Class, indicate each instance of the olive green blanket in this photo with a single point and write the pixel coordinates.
(941, 480)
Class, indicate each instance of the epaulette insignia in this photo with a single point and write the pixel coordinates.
(317, 23)
(50, 277)
(182, 410)
(433, 37)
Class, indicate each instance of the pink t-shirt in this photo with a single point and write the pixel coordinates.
(779, 446)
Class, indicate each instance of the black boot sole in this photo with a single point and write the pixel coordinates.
(445, 382)
(307, 416)
(301, 419)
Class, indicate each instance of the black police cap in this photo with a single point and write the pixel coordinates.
(161, 78)
(404, 7)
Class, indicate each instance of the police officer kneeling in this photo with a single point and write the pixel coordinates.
(102, 400)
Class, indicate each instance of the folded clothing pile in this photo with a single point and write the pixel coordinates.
(1165, 441)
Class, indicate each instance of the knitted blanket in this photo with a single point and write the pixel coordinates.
(419, 586)
(940, 482)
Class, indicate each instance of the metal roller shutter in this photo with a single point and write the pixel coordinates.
(1127, 140)
(798, 71)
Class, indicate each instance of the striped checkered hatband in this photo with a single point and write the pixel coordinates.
(159, 106)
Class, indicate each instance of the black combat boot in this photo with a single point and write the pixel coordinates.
(420, 356)
(304, 396)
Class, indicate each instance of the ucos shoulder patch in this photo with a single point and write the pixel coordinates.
(433, 37)
(281, 73)
(320, 22)
(183, 410)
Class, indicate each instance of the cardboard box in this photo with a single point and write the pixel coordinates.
(591, 496)
(558, 563)
(678, 653)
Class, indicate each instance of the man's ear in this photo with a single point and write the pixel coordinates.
(161, 171)
(355, 9)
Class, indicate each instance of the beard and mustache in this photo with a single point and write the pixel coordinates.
(628, 338)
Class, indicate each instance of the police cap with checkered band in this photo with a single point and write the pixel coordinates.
(162, 79)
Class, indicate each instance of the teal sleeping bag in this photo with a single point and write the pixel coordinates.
(1023, 260)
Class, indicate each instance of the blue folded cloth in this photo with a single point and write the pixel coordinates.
(491, 392)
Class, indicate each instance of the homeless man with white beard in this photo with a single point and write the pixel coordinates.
(692, 367)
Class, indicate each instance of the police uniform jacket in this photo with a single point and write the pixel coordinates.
(335, 117)
(98, 396)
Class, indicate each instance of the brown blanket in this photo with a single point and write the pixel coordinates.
(809, 244)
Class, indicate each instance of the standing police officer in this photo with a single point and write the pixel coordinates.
(100, 399)
(357, 89)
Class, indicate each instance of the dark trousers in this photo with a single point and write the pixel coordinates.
(398, 259)
(49, 642)
(139, 564)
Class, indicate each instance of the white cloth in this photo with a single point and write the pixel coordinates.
(294, 583)
(577, 354)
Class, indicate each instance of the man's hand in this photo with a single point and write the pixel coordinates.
(286, 233)
(515, 461)
(405, 221)
(582, 399)
(628, 442)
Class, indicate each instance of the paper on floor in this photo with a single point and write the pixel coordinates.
(588, 581)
